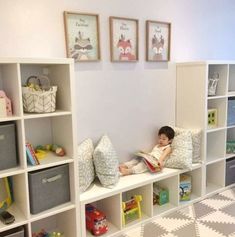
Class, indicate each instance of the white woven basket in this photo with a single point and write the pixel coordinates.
(42, 101)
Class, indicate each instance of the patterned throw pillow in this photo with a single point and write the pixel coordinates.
(106, 163)
(85, 164)
(196, 142)
(181, 155)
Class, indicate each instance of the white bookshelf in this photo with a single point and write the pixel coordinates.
(192, 111)
(58, 127)
(109, 200)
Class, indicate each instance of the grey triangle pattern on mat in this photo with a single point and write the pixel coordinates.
(221, 197)
(230, 210)
(153, 230)
(178, 215)
(201, 209)
(194, 220)
(223, 228)
(186, 231)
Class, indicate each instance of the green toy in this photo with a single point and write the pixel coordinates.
(160, 195)
(230, 147)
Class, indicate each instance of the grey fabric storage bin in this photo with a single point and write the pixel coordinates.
(48, 188)
(16, 232)
(231, 112)
(230, 171)
(8, 150)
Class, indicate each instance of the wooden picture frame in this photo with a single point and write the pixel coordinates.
(82, 36)
(5, 194)
(158, 37)
(123, 39)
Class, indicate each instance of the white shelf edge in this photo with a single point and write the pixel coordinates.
(215, 161)
(52, 211)
(44, 115)
(9, 118)
(210, 130)
(217, 97)
(11, 172)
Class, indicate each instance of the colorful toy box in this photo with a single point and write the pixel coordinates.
(185, 187)
(160, 195)
(230, 147)
(131, 209)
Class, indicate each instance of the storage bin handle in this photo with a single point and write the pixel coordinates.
(52, 179)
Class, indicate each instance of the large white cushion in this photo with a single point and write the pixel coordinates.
(181, 155)
(106, 162)
(196, 141)
(85, 164)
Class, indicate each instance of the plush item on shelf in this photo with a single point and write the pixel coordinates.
(181, 155)
(106, 162)
(85, 164)
(7, 103)
(196, 141)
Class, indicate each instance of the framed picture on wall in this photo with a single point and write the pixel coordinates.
(82, 36)
(158, 36)
(123, 39)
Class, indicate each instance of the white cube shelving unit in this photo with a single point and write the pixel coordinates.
(39, 129)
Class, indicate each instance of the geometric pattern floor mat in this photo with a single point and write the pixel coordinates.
(211, 217)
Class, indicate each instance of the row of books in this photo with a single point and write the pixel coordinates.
(31, 156)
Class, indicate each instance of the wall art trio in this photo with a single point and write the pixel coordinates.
(83, 41)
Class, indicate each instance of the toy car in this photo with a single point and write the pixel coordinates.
(96, 221)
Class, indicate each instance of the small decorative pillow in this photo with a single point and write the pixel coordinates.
(85, 164)
(181, 155)
(106, 163)
(196, 141)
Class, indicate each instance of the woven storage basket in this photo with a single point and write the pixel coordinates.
(42, 100)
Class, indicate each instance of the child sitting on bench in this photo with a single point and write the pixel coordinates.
(159, 152)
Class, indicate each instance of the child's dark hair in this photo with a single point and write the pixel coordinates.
(168, 131)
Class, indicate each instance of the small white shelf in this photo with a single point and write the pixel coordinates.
(44, 115)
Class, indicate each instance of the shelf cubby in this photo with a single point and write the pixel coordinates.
(146, 203)
(222, 71)
(215, 149)
(215, 176)
(231, 81)
(111, 207)
(196, 182)
(19, 208)
(59, 75)
(63, 222)
(51, 129)
(220, 104)
(172, 184)
(10, 84)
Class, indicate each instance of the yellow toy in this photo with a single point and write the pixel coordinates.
(5, 195)
(212, 118)
(131, 209)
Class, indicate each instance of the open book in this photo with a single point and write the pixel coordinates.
(150, 161)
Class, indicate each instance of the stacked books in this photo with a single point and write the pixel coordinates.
(31, 156)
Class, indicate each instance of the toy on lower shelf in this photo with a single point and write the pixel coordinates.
(96, 221)
(160, 195)
(41, 150)
(212, 118)
(131, 209)
(230, 147)
(185, 187)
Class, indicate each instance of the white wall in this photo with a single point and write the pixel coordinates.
(127, 101)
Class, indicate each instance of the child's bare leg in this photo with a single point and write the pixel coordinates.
(139, 168)
(129, 164)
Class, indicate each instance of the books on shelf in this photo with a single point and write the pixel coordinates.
(150, 161)
(31, 156)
